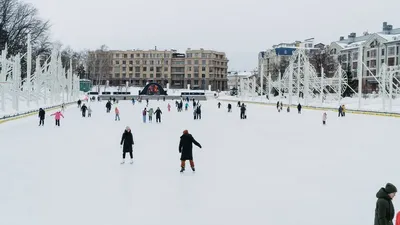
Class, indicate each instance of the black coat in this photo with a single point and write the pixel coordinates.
(384, 211)
(84, 108)
(186, 146)
(42, 113)
(158, 113)
(127, 140)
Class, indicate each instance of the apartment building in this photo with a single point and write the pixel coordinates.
(199, 68)
(378, 48)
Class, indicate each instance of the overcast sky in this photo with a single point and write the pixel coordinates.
(239, 28)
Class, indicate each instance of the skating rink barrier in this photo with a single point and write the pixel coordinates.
(30, 113)
(361, 112)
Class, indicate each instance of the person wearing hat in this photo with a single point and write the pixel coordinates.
(384, 211)
(185, 148)
(126, 144)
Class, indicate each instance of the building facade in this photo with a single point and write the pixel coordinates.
(378, 48)
(197, 68)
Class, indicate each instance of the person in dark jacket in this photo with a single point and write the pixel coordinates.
(79, 103)
(158, 115)
(219, 105)
(299, 108)
(83, 109)
(185, 148)
(384, 211)
(108, 106)
(229, 107)
(243, 112)
(340, 111)
(126, 144)
(42, 114)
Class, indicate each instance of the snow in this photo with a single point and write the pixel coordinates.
(254, 171)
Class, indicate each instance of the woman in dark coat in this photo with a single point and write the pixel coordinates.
(384, 211)
(42, 114)
(126, 143)
(185, 148)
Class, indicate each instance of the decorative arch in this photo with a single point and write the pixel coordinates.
(153, 89)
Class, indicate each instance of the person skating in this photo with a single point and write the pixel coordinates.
(238, 105)
(219, 105)
(186, 149)
(83, 109)
(169, 107)
(89, 111)
(79, 103)
(158, 115)
(198, 111)
(281, 106)
(57, 116)
(117, 114)
(150, 111)
(288, 109)
(108, 106)
(147, 102)
(324, 118)
(194, 103)
(229, 107)
(277, 106)
(126, 144)
(343, 111)
(42, 115)
(243, 112)
(144, 113)
(340, 111)
(299, 108)
(186, 106)
(384, 210)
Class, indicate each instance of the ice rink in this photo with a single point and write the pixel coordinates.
(273, 168)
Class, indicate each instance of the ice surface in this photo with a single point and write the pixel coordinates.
(273, 168)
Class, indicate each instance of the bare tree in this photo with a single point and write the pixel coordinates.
(17, 20)
(322, 58)
(99, 64)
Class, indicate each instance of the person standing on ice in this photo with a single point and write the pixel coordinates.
(169, 107)
(340, 111)
(186, 106)
(126, 144)
(219, 105)
(144, 113)
(384, 211)
(158, 115)
(83, 109)
(243, 112)
(57, 115)
(89, 111)
(186, 149)
(299, 108)
(117, 114)
(79, 103)
(42, 115)
(324, 117)
(151, 111)
(147, 102)
(108, 106)
(343, 111)
(277, 105)
(229, 107)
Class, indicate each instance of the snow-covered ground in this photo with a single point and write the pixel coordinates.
(273, 168)
(368, 104)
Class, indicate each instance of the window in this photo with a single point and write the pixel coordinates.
(132, 56)
(137, 74)
(344, 57)
(382, 61)
(116, 75)
(158, 69)
(368, 63)
(373, 53)
(144, 69)
(137, 62)
(144, 76)
(391, 61)
(137, 69)
(125, 56)
(373, 63)
(124, 62)
(196, 69)
(130, 69)
(189, 62)
(196, 75)
(355, 65)
(123, 68)
(151, 62)
(203, 62)
(203, 76)
(397, 50)
(158, 75)
(130, 62)
(151, 69)
(124, 75)
(151, 75)
(138, 55)
(116, 55)
(203, 68)
(189, 68)
(165, 69)
(368, 54)
(196, 82)
(391, 50)
(189, 76)
(117, 62)
(355, 55)
(166, 62)
(189, 55)
(383, 51)
(145, 62)
(196, 62)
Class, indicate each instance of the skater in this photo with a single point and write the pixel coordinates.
(288, 109)
(89, 111)
(158, 115)
(324, 117)
(277, 106)
(57, 116)
(133, 101)
(151, 111)
(186, 106)
(343, 111)
(147, 102)
(384, 210)
(108, 106)
(117, 114)
(144, 113)
(340, 111)
(219, 105)
(238, 105)
(198, 111)
(229, 107)
(169, 107)
(194, 103)
(281, 106)
(83, 109)
(126, 144)
(186, 148)
(42, 114)
(299, 108)
(243, 112)
(79, 103)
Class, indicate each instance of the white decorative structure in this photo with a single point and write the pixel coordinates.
(49, 84)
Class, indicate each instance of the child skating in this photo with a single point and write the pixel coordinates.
(117, 114)
(57, 116)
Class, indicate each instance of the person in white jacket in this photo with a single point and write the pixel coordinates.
(324, 117)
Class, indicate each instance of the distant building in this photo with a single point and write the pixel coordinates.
(199, 68)
(234, 78)
(378, 48)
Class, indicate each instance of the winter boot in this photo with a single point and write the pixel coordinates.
(131, 161)
(123, 161)
(193, 169)
(182, 169)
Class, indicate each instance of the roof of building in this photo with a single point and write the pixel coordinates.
(240, 74)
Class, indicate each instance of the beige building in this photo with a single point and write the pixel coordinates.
(199, 68)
